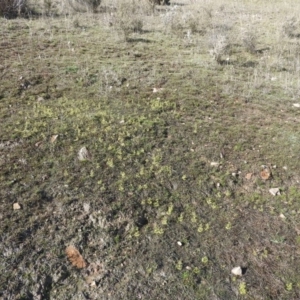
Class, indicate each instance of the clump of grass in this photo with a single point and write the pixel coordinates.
(12, 8)
(249, 40)
(291, 28)
(154, 3)
(84, 5)
(129, 17)
(172, 20)
(159, 2)
(110, 79)
(219, 46)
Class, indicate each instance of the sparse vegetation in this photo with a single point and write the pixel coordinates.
(12, 8)
(160, 2)
(147, 150)
(84, 5)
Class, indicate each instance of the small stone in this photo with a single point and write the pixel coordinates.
(282, 216)
(265, 174)
(274, 191)
(16, 206)
(39, 143)
(296, 104)
(179, 243)
(237, 271)
(248, 176)
(53, 138)
(157, 90)
(214, 164)
(84, 154)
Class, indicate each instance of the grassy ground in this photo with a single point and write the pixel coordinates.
(179, 109)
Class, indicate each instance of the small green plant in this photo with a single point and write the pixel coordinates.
(289, 286)
(200, 228)
(204, 260)
(193, 217)
(178, 265)
(228, 226)
(180, 219)
(158, 230)
(170, 209)
(242, 288)
(72, 69)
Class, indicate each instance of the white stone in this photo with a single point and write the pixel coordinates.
(237, 271)
(274, 191)
(83, 154)
(16, 206)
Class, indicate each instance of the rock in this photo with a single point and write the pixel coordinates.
(274, 191)
(83, 154)
(16, 206)
(53, 138)
(265, 173)
(38, 144)
(75, 257)
(282, 216)
(237, 271)
(248, 176)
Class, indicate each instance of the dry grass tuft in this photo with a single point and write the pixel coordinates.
(249, 40)
(291, 28)
(84, 5)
